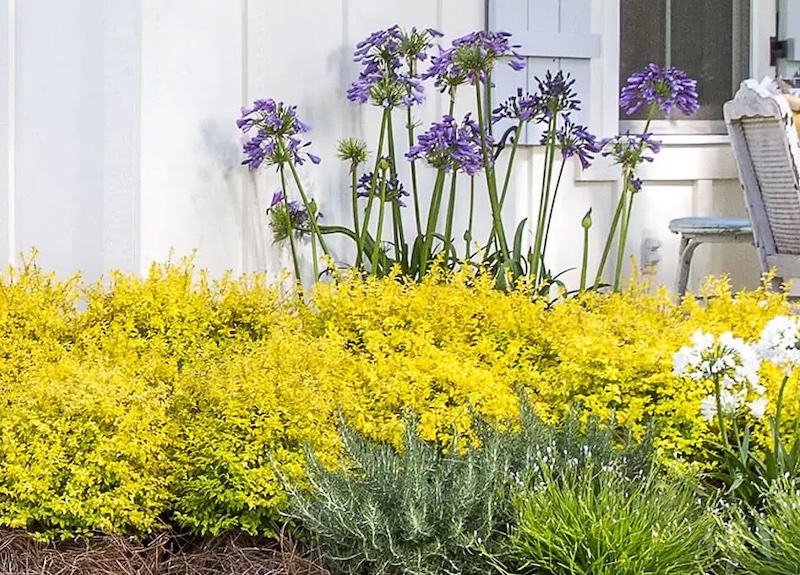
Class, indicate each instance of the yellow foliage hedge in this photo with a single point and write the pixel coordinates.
(173, 399)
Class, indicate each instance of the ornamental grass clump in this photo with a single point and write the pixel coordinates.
(598, 520)
(766, 543)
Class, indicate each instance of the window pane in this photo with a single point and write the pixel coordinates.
(703, 38)
(702, 45)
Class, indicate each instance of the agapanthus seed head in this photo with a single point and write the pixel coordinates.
(664, 88)
(353, 150)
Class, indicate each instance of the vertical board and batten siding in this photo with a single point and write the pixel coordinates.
(7, 43)
(118, 142)
(553, 35)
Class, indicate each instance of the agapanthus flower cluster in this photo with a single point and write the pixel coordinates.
(524, 107)
(575, 140)
(276, 140)
(729, 361)
(665, 89)
(780, 343)
(452, 146)
(394, 191)
(629, 151)
(556, 94)
(286, 216)
(472, 58)
(389, 57)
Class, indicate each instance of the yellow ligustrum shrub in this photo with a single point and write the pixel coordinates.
(174, 399)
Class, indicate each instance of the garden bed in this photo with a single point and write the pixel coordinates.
(162, 554)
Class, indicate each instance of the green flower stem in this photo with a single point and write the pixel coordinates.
(627, 173)
(468, 233)
(612, 231)
(544, 200)
(511, 157)
(362, 239)
(433, 216)
(314, 257)
(448, 227)
(354, 194)
(552, 206)
(397, 217)
(623, 236)
(379, 234)
(507, 179)
(414, 188)
(312, 216)
(776, 441)
(585, 258)
(488, 92)
(491, 181)
(720, 417)
(292, 247)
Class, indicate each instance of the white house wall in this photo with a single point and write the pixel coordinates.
(118, 144)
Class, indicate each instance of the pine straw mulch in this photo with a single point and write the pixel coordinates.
(164, 554)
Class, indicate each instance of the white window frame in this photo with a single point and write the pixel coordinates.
(761, 27)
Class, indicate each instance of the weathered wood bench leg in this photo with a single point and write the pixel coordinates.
(687, 248)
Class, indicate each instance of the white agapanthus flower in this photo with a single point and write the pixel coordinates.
(688, 358)
(708, 408)
(779, 343)
(733, 364)
(731, 403)
(728, 358)
(758, 407)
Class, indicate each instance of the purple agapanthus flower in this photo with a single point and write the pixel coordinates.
(289, 215)
(472, 58)
(275, 141)
(556, 94)
(387, 91)
(394, 191)
(523, 108)
(575, 140)
(665, 88)
(451, 146)
(629, 150)
(635, 182)
(389, 59)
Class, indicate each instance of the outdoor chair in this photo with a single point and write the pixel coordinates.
(767, 152)
(766, 149)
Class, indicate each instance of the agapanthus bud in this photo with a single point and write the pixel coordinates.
(586, 222)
